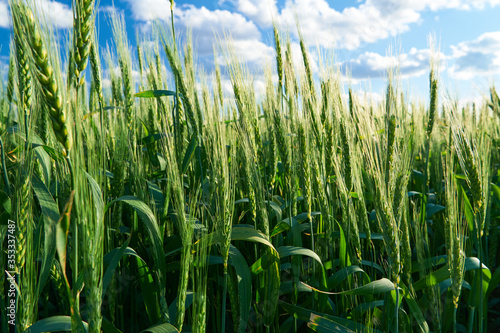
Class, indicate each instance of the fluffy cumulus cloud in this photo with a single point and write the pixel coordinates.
(262, 12)
(369, 22)
(206, 25)
(478, 57)
(4, 14)
(56, 13)
(370, 65)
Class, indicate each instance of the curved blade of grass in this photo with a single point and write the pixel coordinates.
(371, 264)
(339, 276)
(376, 287)
(288, 287)
(286, 251)
(149, 220)
(45, 163)
(62, 230)
(162, 328)
(261, 264)
(432, 209)
(50, 213)
(240, 265)
(154, 93)
(276, 210)
(303, 216)
(444, 273)
(53, 324)
(244, 276)
(158, 197)
(415, 310)
(152, 138)
(321, 324)
(188, 156)
(111, 260)
(345, 261)
(98, 201)
(495, 280)
(279, 228)
(172, 309)
(304, 314)
(285, 225)
(149, 291)
(251, 235)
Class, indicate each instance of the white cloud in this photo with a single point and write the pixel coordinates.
(4, 15)
(371, 65)
(478, 57)
(206, 25)
(261, 12)
(57, 13)
(369, 22)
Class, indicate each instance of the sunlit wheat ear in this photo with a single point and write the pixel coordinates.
(44, 73)
(433, 104)
(95, 65)
(24, 82)
(279, 60)
(83, 19)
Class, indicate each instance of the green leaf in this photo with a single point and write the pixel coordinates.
(152, 138)
(469, 212)
(158, 197)
(433, 209)
(444, 273)
(341, 275)
(286, 251)
(240, 265)
(261, 264)
(62, 230)
(98, 203)
(6, 203)
(111, 260)
(47, 203)
(415, 310)
(280, 227)
(155, 93)
(151, 226)
(149, 291)
(172, 309)
(496, 190)
(304, 314)
(162, 328)
(275, 209)
(251, 235)
(376, 287)
(53, 324)
(495, 280)
(244, 200)
(50, 213)
(364, 307)
(45, 162)
(344, 253)
(189, 153)
(323, 325)
(303, 216)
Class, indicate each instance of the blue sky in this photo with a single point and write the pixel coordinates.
(363, 37)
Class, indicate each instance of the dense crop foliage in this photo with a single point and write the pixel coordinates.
(162, 203)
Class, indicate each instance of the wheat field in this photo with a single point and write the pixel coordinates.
(160, 202)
